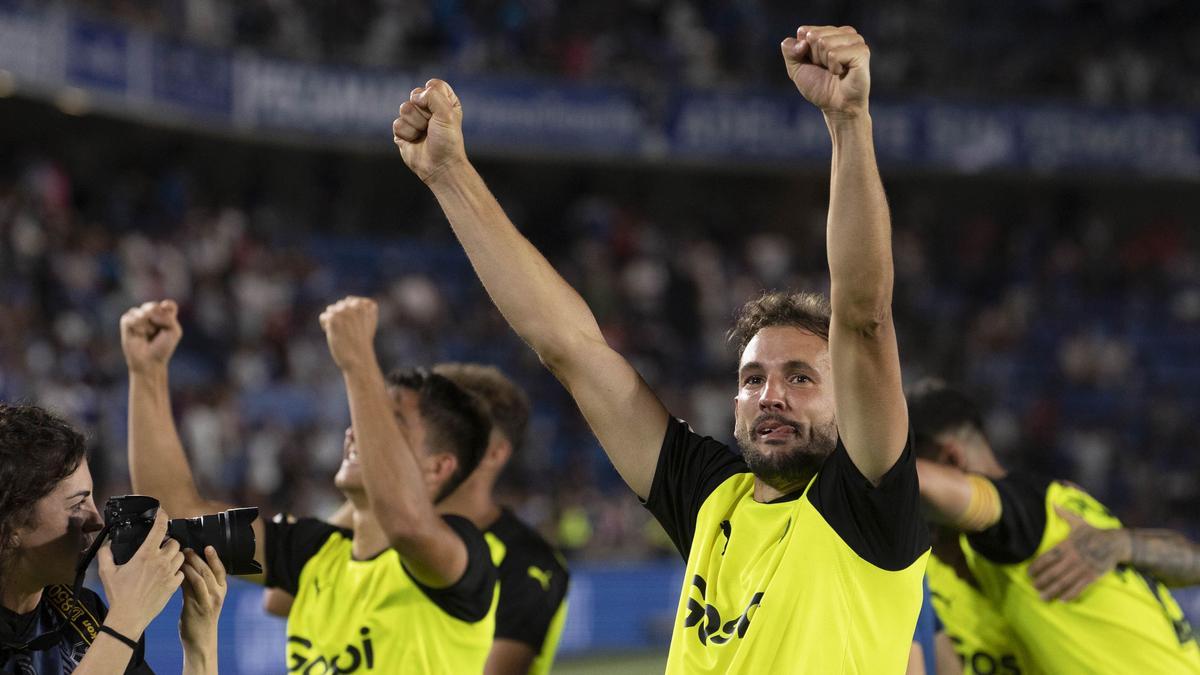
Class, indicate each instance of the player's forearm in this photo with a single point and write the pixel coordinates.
(948, 495)
(1171, 557)
(535, 300)
(391, 475)
(859, 228)
(157, 464)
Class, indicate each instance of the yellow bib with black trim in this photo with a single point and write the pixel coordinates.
(362, 616)
(772, 588)
(981, 637)
(1125, 623)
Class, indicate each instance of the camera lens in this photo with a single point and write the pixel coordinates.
(230, 533)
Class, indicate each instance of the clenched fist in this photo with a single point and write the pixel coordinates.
(429, 130)
(149, 334)
(349, 326)
(831, 67)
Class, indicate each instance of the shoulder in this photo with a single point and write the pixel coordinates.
(524, 546)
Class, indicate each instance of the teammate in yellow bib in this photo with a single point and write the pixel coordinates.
(806, 553)
(533, 578)
(981, 636)
(1124, 622)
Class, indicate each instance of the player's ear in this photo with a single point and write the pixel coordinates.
(953, 453)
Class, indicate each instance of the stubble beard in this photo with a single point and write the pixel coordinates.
(790, 469)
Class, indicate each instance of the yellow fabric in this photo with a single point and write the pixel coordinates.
(787, 595)
(1123, 624)
(981, 637)
(369, 616)
(545, 658)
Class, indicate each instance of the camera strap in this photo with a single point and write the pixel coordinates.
(88, 557)
(62, 599)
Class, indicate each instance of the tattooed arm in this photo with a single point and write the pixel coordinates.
(1088, 553)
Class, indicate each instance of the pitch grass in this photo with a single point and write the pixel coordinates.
(640, 663)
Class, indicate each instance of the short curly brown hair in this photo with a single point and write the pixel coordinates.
(804, 310)
(38, 450)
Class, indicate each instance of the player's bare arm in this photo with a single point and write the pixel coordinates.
(965, 501)
(396, 491)
(509, 657)
(1065, 571)
(158, 465)
(831, 68)
(537, 302)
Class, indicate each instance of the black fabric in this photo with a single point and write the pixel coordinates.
(70, 648)
(469, 598)
(289, 544)
(690, 467)
(533, 583)
(883, 523)
(1016, 536)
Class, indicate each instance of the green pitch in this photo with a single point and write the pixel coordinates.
(625, 664)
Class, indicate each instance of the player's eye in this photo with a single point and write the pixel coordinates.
(752, 380)
(800, 379)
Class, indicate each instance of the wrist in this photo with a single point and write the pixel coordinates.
(1126, 546)
(154, 372)
(848, 121)
(358, 364)
(126, 624)
(448, 174)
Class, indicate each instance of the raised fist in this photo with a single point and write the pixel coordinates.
(149, 334)
(349, 326)
(428, 131)
(831, 67)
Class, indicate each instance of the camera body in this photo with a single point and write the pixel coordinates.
(130, 517)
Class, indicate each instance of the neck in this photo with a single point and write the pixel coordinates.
(20, 594)
(369, 538)
(765, 492)
(473, 501)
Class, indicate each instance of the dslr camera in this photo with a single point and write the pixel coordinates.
(130, 517)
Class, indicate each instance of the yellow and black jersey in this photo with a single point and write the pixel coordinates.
(981, 636)
(1125, 622)
(823, 580)
(533, 589)
(358, 616)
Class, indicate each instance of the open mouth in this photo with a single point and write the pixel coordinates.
(775, 430)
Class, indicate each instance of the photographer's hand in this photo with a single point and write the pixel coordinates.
(203, 595)
(138, 590)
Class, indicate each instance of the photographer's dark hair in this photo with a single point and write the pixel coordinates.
(935, 408)
(38, 450)
(456, 420)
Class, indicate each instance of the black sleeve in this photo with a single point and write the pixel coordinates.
(289, 545)
(882, 524)
(532, 588)
(690, 467)
(137, 662)
(1016, 536)
(469, 598)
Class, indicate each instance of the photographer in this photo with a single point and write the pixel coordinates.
(47, 519)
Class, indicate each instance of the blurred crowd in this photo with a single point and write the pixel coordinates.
(1097, 51)
(1073, 311)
